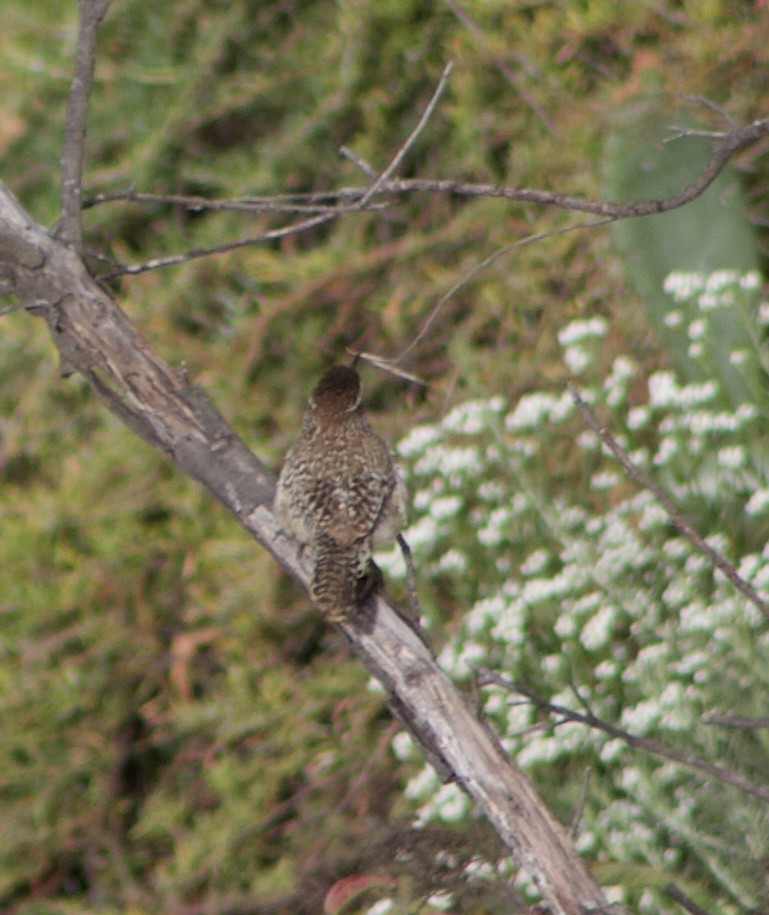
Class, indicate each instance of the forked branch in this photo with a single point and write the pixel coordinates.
(333, 204)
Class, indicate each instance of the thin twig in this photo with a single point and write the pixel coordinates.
(655, 747)
(70, 228)
(346, 153)
(487, 262)
(401, 153)
(713, 108)
(387, 365)
(683, 900)
(680, 133)
(250, 203)
(280, 203)
(172, 259)
(730, 720)
(681, 523)
(579, 811)
(518, 85)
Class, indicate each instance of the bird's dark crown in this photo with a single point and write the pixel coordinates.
(337, 392)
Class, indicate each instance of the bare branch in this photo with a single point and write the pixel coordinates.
(360, 201)
(331, 204)
(487, 262)
(280, 203)
(688, 905)
(681, 523)
(729, 144)
(70, 228)
(346, 153)
(655, 747)
(193, 253)
(325, 212)
(713, 108)
(731, 720)
(411, 139)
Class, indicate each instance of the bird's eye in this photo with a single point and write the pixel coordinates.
(355, 406)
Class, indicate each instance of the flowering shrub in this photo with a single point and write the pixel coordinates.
(567, 577)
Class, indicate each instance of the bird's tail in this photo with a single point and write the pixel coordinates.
(336, 583)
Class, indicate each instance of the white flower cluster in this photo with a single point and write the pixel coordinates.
(593, 587)
(686, 287)
(664, 391)
(578, 341)
(535, 410)
(716, 311)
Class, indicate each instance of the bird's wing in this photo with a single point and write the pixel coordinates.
(348, 509)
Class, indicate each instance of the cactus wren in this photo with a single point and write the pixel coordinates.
(339, 492)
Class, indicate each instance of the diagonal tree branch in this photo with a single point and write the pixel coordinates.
(655, 747)
(672, 510)
(688, 905)
(70, 227)
(95, 338)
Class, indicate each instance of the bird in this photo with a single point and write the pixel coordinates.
(339, 493)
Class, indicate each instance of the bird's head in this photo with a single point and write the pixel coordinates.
(337, 395)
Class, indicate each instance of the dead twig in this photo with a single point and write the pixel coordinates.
(280, 203)
(173, 259)
(411, 139)
(680, 522)
(739, 722)
(655, 747)
(346, 153)
(325, 213)
(331, 204)
(683, 900)
(728, 143)
(70, 227)
(487, 262)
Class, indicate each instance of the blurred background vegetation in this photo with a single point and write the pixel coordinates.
(180, 732)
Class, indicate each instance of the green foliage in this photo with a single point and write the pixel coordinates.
(180, 733)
